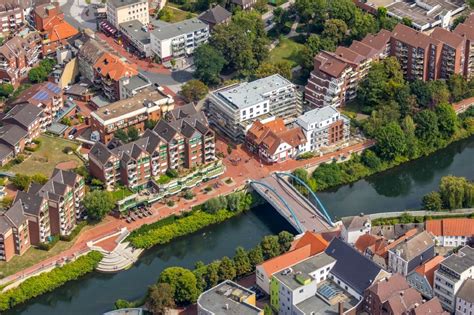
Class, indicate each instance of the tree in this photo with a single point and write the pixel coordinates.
(432, 201)
(285, 239)
(212, 205)
(6, 89)
(20, 181)
(266, 69)
(121, 135)
(391, 141)
(457, 86)
(335, 30)
(194, 90)
(39, 178)
(150, 123)
(165, 14)
(343, 10)
(456, 192)
(209, 63)
(427, 128)
(439, 92)
(371, 160)
(407, 21)
(226, 269)
(37, 75)
(363, 24)
(310, 49)
(409, 127)
(160, 298)
(447, 120)
(183, 284)
(256, 256)
(212, 274)
(132, 134)
(233, 201)
(242, 262)
(98, 203)
(270, 246)
(6, 202)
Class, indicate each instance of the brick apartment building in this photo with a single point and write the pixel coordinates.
(42, 211)
(148, 104)
(466, 30)
(17, 56)
(11, 17)
(182, 140)
(49, 20)
(109, 70)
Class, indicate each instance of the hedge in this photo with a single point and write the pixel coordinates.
(407, 218)
(48, 281)
(77, 229)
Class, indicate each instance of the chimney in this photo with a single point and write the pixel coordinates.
(341, 308)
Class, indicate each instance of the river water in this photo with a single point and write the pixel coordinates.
(397, 189)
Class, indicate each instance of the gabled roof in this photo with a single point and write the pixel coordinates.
(331, 64)
(15, 214)
(446, 37)
(316, 241)
(451, 227)
(293, 137)
(413, 38)
(406, 301)
(355, 223)
(373, 242)
(414, 246)
(215, 15)
(109, 65)
(378, 41)
(23, 114)
(352, 267)
(388, 287)
(58, 29)
(428, 268)
(41, 93)
(31, 203)
(259, 130)
(432, 307)
(12, 134)
(286, 260)
(100, 152)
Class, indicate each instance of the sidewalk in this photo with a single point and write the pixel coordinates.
(247, 168)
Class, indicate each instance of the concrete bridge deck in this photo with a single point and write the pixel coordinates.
(308, 215)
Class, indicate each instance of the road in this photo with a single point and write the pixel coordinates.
(75, 14)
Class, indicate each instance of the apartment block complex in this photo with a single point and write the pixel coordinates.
(11, 16)
(451, 275)
(17, 56)
(323, 127)
(120, 11)
(182, 140)
(14, 233)
(233, 109)
(466, 30)
(179, 39)
(148, 104)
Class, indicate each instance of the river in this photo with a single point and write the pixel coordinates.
(396, 189)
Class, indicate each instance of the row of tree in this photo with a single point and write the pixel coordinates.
(453, 193)
(181, 286)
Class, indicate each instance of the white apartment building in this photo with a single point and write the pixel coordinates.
(120, 11)
(176, 40)
(138, 35)
(234, 108)
(451, 274)
(465, 298)
(323, 127)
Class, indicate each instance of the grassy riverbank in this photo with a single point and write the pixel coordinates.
(49, 281)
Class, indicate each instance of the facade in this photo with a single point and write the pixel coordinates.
(137, 34)
(47, 96)
(466, 30)
(452, 52)
(244, 4)
(451, 232)
(323, 127)
(11, 17)
(465, 298)
(120, 11)
(130, 86)
(87, 56)
(407, 255)
(148, 104)
(227, 297)
(28, 117)
(273, 142)
(182, 141)
(12, 142)
(451, 274)
(216, 15)
(36, 210)
(234, 108)
(109, 70)
(17, 56)
(422, 278)
(354, 227)
(14, 233)
(171, 41)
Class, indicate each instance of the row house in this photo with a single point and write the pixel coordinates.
(109, 70)
(273, 142)
(47, 96)
(323, 127)
(451, 232)
(41, 212)
(182, 140)
(89, 53)
(11, 17)
(148, 104)
(55, 31)
(17, 56)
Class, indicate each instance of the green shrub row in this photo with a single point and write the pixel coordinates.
(49, 281)
(407, 218)
(50, 244)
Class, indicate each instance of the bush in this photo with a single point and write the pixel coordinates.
(306, 155)
(172, 173)
(170, 203)
(47, 246)
(48, 281)
(164, 179)
(188, 195)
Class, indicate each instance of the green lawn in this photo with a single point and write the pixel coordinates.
(47, 157)
(288, 50)
(121, 193)
(176, 14)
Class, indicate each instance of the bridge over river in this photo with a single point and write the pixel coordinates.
(303, 213)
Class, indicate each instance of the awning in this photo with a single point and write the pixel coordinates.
(105, 25)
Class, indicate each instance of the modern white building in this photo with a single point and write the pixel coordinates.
(120, 11)
(451, 274)
(465, 298)
(323, 127)
(137, 35)
(353, 227)
(176, 40)
(234, 108)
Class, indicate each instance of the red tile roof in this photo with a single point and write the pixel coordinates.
(111, 66)
(451, 227)
(373, 242)
(429, 267)
(286, 260)
(317, 242)
(58, 29)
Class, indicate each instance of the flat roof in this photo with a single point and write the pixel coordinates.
(121, 3)
(302, 270)
(318, 115)
(137, 82)
(461, 261)
(167, 30)
(134, 28)
(247, 94)
(143, 99)
(223, 299)
(318, 304)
